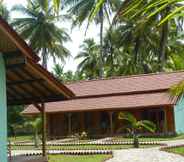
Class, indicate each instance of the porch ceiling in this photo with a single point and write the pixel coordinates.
(28, 82)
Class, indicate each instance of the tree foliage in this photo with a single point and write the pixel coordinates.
(38, 27)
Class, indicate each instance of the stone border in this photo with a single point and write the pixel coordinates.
(97, 143)
(76, 152)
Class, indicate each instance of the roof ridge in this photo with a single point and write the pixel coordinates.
(124, 76)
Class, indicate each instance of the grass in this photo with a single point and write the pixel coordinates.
(177, 150)
(21, 138)
(82, 147)
(143, 139)
(78, 158)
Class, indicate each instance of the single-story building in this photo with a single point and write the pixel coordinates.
(97, 104)
(24, 81)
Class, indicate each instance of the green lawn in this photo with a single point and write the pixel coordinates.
(30, 138)
(82, 147)
(177, 150)
(78, 158)
(144, 139)
(21, 138)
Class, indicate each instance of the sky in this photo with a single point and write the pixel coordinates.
(77, 35)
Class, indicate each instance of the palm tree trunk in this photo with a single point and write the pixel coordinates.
(101, 70)
(44, 58)
(163, 42)
(136, 49)
(36, 138)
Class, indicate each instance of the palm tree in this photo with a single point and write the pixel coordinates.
(89, 56)
(35, 125)
(4, 12)
(38, 27)
(155, 10)
(57, 5)
(135, 126)
(91, 10)
(131, 49)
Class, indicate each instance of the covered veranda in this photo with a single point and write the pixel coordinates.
(23, 81)
(98, 116)
(99, 124)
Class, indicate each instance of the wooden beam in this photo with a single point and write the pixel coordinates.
(11, 94)
(24, 88)
(28, 81)
(15, 66)
(16, 92)
(12, 54)
(30, 100)
(41, 83)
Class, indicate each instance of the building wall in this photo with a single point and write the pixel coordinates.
(179, 116)
(3, 113)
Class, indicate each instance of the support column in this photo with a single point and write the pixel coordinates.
(96, 123)
(82, 121)
(137, 114)
(157, 120)
(48, 126)
(3, 112)
(169, 113)
(41, 108)
(44, 131)
(69, 123)
(165, 120)
(111, 122)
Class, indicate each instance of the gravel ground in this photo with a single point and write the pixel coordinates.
(145, 155)
(148, 155)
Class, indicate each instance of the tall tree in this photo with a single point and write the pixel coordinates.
(38, 27)
(161, 12)
(130, 50)
(91, 10)
(4, 12)
(89, 56)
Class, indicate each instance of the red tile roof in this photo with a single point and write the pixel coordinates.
(107, 103)
(140, 91)
(130, 84)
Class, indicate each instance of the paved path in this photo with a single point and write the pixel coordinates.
(144, 155)
(148, 155)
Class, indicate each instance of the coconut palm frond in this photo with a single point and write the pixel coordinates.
(127, 116)
(146, 124)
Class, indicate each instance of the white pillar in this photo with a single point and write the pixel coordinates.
(3, 112)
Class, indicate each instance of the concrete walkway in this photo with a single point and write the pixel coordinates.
(148, 155)
(144, 155)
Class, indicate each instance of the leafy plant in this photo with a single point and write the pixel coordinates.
(135, 126)
(36, 127)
